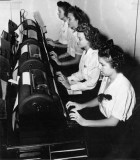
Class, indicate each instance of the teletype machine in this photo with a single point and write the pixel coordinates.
(5, 69)
(4, 59)
(37, 124)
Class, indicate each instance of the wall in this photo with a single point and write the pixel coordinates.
(4, 16)
(137, 49)
(114, 18)
(9, 10)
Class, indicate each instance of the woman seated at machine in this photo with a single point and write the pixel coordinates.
(86, 79)
(72, 57)
(60, 45)
(114, 103)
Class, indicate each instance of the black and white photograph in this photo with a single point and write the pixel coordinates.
(70, 79)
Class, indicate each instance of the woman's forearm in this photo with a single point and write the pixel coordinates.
(107, 122)
(74, 60)
(70, 62)
(63, 55)
(92, 103)
(59, 45)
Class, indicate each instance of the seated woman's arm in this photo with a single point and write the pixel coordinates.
(59, 45)
(107, 122)
(78, 106)
(55, 43)
(75, 60)
(77, 52)
(63, 56)
(58, 59)
(89, 83)
(48, 39)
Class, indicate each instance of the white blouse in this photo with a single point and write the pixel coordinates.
(73, 47)
(63, 34)
(88, 71)
(123, 98)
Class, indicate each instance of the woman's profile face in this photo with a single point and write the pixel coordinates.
(61, 13)
(105, 66)
(72, 22)
(82, 42)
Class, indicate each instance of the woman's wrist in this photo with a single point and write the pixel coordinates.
(85, 123)
(59, 63)
(83, 106)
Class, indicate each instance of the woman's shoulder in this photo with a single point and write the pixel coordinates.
(92, 56)
(123, 82)
(93, 52)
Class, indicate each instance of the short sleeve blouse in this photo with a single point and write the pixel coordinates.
(123, 98)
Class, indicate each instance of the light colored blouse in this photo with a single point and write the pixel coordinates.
(73, 47)
(63, 34)
(123, 98)
(88, 71)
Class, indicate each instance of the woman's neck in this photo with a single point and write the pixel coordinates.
(87, 48)
(113, 76)
(75, 27)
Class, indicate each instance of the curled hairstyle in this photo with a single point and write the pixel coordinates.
(79, 15)
(113, 53)
(91, 34)
(65, 6)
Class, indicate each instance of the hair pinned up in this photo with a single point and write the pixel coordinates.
(108, 44)
(65, 6)
(113, 53)
(91, 34)
(79, 15)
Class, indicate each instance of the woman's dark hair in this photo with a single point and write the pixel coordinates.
(79, 15)
(113, 53)
(91, 34)
(65, 6)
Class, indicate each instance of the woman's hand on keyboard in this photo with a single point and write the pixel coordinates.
(53, 54)
(55, 58)
(61, 77)
(51, 43)
(76, 106)
(75, 116)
